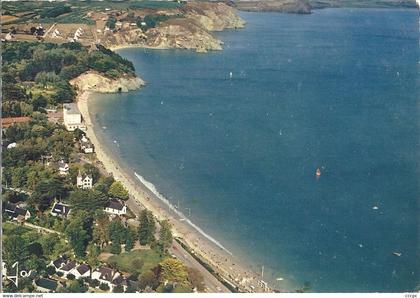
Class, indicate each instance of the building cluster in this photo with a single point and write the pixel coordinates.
(65, 269)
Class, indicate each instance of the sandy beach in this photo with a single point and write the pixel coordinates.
(220, 260)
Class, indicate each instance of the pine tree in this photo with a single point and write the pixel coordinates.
(147, 227)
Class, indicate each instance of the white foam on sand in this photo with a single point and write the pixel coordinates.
(150, 186)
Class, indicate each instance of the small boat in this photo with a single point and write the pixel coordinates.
(318, 172)
(230, 74)
(375, 207)
(396, 253)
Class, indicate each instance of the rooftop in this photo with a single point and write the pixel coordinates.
(70, 265)
(114, 204)
(71, 108)
(47, 283)
(6, 122)
(60, 208)
(83, 268)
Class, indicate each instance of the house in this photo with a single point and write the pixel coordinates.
(83, 270)
(86, 145)
(59, 262)
(120, 281)
(63, 167)
(84, 181)
(16, 212)
(67, 268)
(106, 275)
(46, 285)
(114, 206)
(60, 209)
(72, 117)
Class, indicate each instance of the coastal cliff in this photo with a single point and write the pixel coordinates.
(95, 82)
(186, 27)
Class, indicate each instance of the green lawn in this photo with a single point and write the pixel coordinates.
(127, 261)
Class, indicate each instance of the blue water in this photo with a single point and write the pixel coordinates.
(338, 89)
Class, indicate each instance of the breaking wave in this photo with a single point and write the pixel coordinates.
(150, 186)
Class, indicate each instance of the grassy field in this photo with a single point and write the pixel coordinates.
(13, 229)
(16, 12)
(129, 262)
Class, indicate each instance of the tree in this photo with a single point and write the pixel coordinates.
(87, 199)
(165, 235)
(103, 286)
(78, 236)
(117, 234)
(130, 238)
(100, 231)
(45, 191)
(118, 289)
(15, 249)
(48, 243)
(77, 286)
(93, 252)
(147, 227)
(115, 248)
(117, 190)
(148, 279)
(174, 272)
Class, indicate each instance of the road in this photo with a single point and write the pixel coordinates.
(212, 284)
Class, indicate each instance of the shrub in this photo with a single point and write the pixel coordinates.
(71, 276)
(94, 283)
(104, 286)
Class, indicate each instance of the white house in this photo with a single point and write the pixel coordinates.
(63, 167)
(114, 206)
(16, 212)
(85, 145)
(84, 181)
(72, 117)
(60, 209)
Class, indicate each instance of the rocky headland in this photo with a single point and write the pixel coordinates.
(94, 82)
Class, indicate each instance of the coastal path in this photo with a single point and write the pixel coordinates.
(35, 227)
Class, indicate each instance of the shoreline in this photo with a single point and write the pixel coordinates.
(221, 261)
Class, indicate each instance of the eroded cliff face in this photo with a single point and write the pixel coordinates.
(95, 82)
(177, 34)
(214, 16)
(191, 31)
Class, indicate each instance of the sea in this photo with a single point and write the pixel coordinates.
(234, 138)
